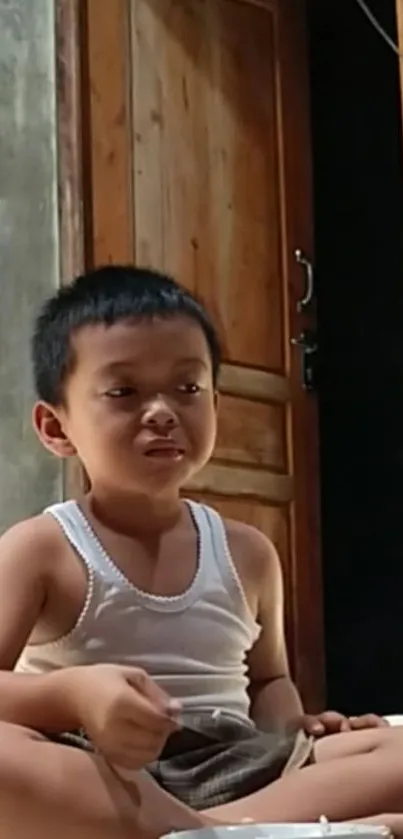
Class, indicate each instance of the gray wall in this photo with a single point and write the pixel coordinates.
(29, 259)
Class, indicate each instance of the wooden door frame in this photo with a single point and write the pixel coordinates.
(399, 21)
(303, 421)
(94, 134)
(73, 186)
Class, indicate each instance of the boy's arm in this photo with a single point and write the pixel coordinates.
(27, 553)
(274, 697)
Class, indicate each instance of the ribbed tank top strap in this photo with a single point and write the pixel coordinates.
(205, 536)
(223, 559)
(78, 532)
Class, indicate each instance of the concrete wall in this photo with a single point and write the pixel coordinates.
(29, 257)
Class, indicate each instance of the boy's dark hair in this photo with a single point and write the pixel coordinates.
(106, 295)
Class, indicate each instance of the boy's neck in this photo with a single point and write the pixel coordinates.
(134, 514)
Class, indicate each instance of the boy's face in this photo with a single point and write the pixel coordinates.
(140, 406)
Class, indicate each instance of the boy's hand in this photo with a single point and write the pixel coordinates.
(125, 714)
(331, 722)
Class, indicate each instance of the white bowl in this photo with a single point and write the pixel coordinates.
(394, 719)
(285, 831)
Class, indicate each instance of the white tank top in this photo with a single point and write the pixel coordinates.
(194, 645)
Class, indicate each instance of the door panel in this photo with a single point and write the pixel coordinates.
(206, 173)
(198, 163)
(251, 432)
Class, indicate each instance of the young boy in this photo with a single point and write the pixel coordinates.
(129, 619)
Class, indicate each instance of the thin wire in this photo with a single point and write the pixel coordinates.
(381, 31)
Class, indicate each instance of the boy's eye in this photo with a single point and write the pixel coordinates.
(190, 388)
(120, 392)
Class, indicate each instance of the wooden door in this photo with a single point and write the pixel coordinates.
(197, 161)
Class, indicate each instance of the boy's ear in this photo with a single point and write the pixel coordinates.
(49, 428)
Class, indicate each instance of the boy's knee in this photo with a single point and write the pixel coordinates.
(14, 770)
(14, 738)
(389, 739)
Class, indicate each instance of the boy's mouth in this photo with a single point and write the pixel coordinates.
(170, 454)
(164, 449)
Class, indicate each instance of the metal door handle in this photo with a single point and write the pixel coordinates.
(309, 292)
(306, 340)
(308, 344)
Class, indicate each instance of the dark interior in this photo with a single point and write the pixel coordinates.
(358, 171)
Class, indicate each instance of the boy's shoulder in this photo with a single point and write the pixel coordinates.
(252, 549)
(39, 538)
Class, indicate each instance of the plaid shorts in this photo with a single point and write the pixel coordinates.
(214, 762)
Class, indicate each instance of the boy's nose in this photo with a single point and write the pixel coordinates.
(160, 415)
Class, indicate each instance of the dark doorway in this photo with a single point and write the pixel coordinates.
(358, 169)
